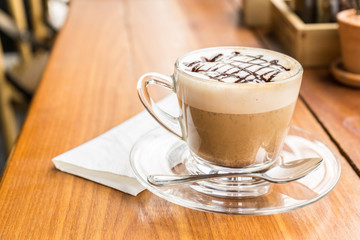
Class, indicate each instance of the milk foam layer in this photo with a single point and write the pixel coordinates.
(237, 67)
(202, 92)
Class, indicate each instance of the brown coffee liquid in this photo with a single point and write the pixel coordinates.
(236, 140)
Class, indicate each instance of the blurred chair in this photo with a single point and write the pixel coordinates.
(32, 48)
(8, 95)
(19, 81)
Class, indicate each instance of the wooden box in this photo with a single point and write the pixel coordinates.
(315, 44)
(257, 13)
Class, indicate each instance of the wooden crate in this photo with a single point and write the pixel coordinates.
(257, 13)
(314, 44)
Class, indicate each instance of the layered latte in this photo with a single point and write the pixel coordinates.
(237, 103)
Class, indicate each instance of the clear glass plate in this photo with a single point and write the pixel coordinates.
(160, 152)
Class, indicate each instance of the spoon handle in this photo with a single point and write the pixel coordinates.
(279, 174)
(163, 180)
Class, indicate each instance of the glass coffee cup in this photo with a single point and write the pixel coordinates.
(236, 104)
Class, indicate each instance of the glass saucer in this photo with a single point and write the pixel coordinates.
(160, 152)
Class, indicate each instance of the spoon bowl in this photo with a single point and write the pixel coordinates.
(283, 173)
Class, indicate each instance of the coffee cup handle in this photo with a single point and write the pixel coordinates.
(171, 123)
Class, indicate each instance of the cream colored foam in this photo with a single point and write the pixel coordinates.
(238, 98)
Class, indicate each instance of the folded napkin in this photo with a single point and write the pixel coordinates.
(105, 159)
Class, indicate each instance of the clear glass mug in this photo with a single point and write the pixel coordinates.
(228, 127)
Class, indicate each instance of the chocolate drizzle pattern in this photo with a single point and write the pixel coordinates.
(237, 68)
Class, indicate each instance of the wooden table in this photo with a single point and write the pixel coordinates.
(89, 87)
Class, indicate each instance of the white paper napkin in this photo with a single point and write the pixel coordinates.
(105, 159)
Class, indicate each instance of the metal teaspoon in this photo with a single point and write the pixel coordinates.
(283, 173)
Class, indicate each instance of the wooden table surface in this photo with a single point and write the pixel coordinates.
(89, 86)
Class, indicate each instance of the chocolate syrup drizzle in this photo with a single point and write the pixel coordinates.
(237, 68)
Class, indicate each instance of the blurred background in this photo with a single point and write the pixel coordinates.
(27, 31)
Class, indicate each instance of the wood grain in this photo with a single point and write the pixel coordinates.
(339, 115)
(89, 86)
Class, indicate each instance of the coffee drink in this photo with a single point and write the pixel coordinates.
(237, 103)
(236, 106)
